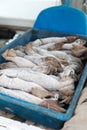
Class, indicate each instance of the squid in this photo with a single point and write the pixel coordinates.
(44, 41)
(19, 84)
(19, 61)
(46, 81)
(50, 103)
(50, 63)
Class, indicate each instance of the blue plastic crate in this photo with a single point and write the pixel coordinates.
(29, 111)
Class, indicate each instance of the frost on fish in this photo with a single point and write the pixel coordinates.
(50, 63)
(46, 81)
(43, 41)
(8, 65)
(19, 61)
(21, 95)
(50, 103)
(13, 83)
(45, 69)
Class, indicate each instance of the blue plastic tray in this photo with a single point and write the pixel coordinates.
(29, 111)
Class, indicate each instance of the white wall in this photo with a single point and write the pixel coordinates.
(22, 12)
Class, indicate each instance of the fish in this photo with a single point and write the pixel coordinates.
(19, 84)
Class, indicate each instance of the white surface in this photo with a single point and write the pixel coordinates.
(9, 124)
(20, 12)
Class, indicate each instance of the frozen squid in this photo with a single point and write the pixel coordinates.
(46, 81)
(79, 51)
(50, 63)
(50, 103)
(8, 65)
(19, 61)
(19, 84)
(43, 41)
